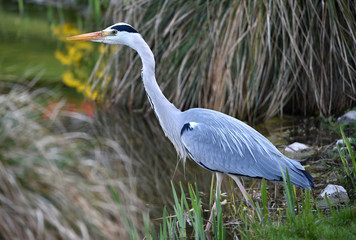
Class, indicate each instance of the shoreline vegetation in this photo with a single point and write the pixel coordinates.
(73, 173)
(252, 60)
(78, 182)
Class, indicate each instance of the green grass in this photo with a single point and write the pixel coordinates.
(348, 170)
(298, 219)
(309, 223)
(341, 225)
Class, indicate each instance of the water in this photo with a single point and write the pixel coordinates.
(27, 46)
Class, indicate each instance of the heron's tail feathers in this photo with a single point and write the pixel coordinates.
(309, 177)
(299, 176)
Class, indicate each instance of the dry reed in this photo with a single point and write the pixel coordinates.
(251, 59)
(55, 183)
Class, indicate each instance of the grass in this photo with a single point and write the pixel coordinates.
(53, 181)
(252, 60)
(347, 157)
(308, 223)
(340, 225)
(298, 219)
(61, 183)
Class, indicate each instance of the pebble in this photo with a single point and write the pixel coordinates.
(348, 118)
(299, 150)
(295, 147)
(336, 195)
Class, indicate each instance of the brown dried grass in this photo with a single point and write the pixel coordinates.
(251, 59)
(55, 183)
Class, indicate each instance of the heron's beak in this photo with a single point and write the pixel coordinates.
(88, 36)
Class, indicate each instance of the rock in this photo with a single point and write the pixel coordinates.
(334, 191)
(348, 118)
(296, 147)
(341, 145)
(341, 142)
(298, 150)
(336, 194)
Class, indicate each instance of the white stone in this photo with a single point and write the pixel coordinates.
(336, 194)
(334, 191)
(349, 117)
(341, 141)
(296, 147)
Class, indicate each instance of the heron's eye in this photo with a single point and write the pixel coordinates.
(113, 32)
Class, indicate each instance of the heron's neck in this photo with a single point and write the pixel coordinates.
(167, 114)
(159, 102)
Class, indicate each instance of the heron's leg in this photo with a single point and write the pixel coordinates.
(219, 177)
(241, 187)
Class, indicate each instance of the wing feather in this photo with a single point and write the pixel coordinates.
(221, 143)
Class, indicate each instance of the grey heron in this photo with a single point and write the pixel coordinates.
(214, 140)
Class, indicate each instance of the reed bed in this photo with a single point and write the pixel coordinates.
(251, 59)
(54, 182)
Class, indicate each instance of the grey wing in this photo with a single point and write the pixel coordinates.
(236, 148)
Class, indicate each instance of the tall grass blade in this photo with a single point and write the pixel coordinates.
(349, 148)
(21, 7)
(289, 195)
(179, 211)
(163, 232)
(129, 224)
(218, 226)
(264, 200)
(198, 219)
(344, 161)
(307, 208)
(148, 231)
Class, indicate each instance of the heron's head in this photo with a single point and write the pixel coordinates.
(119, 33)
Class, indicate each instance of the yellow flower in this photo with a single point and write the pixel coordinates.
(88, 93)
(65, 30)
(81, 87)
(64, 59)
(69, 80)
(74, 54)
(84, 45)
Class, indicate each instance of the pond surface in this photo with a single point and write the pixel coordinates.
(27, 46)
